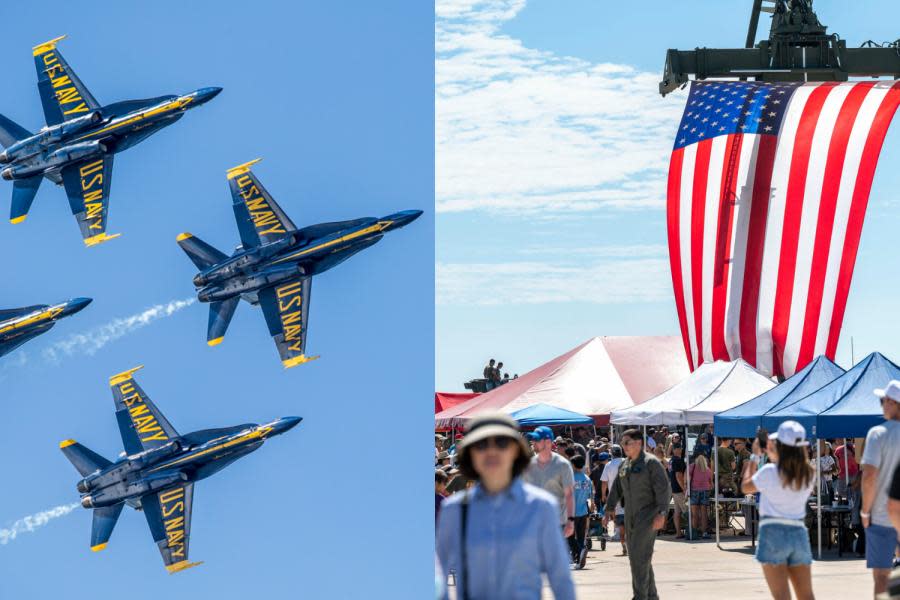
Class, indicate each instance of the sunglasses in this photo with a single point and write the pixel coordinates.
(500, 443)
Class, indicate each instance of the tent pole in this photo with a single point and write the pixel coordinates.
(716, 484)
(846, 467)
(687, 481)
(645, 436)
(818, 496)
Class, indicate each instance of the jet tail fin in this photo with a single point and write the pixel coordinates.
(85, 460)
(202, 254)
(220, 314)
(11, 132)
(105, 520)
(24, 191)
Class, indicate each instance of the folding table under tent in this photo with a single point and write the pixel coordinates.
(745, 420)
(544, 414)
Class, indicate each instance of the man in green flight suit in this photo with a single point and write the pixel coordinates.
(644, 487)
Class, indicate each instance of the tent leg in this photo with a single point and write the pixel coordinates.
(595, 432)
(819, 498)
(716, 484)
(846, 467)
(645, 437)
(687, 481)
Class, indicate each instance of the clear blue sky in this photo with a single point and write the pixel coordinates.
(338, 100)
(551, 224)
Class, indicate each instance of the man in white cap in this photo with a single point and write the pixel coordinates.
(880, 458)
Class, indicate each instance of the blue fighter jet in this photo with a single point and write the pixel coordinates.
(275, 263)
(76, 147)
(19, 325)
(159, 469)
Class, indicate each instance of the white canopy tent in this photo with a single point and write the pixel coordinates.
(712, 388)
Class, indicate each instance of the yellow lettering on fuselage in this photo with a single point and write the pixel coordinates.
(92, 186)
(290, 296)
(264, 218)
(172, 502)
(66, 92)
(144, 422)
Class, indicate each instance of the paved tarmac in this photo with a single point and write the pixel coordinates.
(685, 568)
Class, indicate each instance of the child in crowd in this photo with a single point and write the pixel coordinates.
(584, 492)
(701, 484)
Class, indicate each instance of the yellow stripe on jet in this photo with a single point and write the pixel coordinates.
(98, 547)
(379, 226)
(67, 443)
(175, 104)
(259, 433)
(241, 169)
(124, 375)
(99, 239)
(46, 46)
(50, 314)
(298, 360)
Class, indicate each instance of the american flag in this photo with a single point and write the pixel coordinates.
(768, 185)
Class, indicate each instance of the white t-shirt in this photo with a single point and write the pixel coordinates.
(777, 500)
(609, 474)
(882, 451)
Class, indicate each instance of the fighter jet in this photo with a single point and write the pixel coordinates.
(275, 262)
(76, 147)
(159, 469)
(18, 325)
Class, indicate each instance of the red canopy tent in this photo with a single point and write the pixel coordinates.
(445, 400)
(601, 375)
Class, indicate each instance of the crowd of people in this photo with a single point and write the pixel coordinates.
(510, 507)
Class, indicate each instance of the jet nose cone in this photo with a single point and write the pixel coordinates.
(204, 95)
(287, 423)
(75, 305)
(402, 218)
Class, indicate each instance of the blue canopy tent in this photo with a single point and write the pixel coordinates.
(745, 419)
(874, 371)
(858, 409)
(544, 414)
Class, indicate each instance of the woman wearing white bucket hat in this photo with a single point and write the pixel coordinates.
(784, 485)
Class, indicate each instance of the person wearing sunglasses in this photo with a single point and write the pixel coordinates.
(499, 537)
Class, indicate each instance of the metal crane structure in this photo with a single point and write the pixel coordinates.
(799, 48)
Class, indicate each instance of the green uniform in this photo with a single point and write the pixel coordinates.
(644, 487)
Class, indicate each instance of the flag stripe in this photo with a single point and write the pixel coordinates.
(727, 202)
(711, 217)
(674, 191)
(684, 237)
(698, 227)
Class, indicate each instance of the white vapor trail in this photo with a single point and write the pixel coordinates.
(32, 522)
(92, 341)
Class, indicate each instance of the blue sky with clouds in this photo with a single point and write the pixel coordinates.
(338, 101)
(552, 151)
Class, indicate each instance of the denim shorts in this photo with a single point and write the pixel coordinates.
(781, 544)
(881, 542)
(699, 497)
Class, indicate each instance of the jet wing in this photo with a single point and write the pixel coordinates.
(142, 425)
(286, 308)
(63, 95)
(259, 218)
(87, 186)
(169, 517)
(8, 345)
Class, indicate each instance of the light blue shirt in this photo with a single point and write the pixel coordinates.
(583, 491)
(513, 537)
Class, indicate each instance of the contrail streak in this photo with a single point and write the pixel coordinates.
(32, 522)
(91, 341)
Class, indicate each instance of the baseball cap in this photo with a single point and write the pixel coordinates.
(790, 433)
(890, 391)
(603, 456)
(541, 433)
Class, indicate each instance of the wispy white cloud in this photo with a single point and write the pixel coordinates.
(623, 251)
(532, 282)
(91, 341)
(524, 130)
(32, 522)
